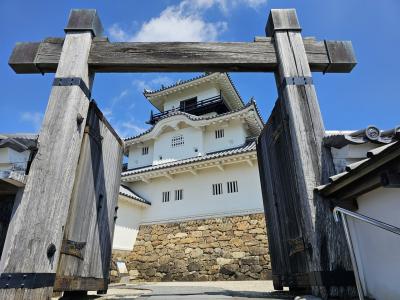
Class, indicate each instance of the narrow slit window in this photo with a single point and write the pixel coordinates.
(232, 186)
(177, 140)
(179, 194)
(145, 150)
(217, 189)
(219, 134)
(165, 197)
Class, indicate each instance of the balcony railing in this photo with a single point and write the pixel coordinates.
(215, 103)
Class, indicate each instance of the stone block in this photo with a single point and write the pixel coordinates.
(224, 261)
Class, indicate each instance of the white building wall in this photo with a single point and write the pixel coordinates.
(192, 140)
(378, 251)
(9, 156)
(350, 154)
(136, 159)
(201, 92)
(234, 136)
(198, 201)
(127, 225)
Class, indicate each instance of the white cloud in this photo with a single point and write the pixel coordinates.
(154, 83)
(128, 128)
(183, 22)
(35, 118)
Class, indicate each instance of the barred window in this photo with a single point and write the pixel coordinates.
(217, 189)
(179, 194)
(232, 187)
(177, 141)
(165, 197)
(220, 133)
(145, 150)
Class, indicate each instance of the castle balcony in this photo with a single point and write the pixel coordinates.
(194, 107)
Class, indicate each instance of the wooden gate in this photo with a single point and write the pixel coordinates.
(283, 217)
(68, 190)
(86, 248)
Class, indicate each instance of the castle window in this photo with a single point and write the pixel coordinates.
(145, 150)
(219, 133)
(232, 186)
(177, 141)
(165, 197)
(217, 189)
(178, 194)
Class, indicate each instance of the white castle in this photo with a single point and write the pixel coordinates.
(197, 161)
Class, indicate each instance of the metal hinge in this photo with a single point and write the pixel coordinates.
(73, 248)
(296, 245)
(70, 81)
(26, 280)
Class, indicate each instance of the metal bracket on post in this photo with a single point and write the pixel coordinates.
(70, 81)
(297, 80)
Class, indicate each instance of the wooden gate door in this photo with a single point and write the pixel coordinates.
(283, 217)
(86, 248)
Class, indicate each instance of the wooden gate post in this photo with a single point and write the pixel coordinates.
(319, 238)
(32, 248)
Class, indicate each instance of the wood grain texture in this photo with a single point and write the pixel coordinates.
(294, 162)
(41, 215)
(180, 57)
(92, 209)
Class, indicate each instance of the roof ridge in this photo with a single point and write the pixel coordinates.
(179, 82)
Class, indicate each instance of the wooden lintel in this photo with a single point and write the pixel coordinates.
(106, 57)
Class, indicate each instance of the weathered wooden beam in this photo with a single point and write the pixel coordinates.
(35, 232)
(106, 57)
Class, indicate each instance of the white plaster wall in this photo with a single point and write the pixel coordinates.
(4, 157)
(350, 154)
(234, 136)
(198, 200)
(378, 251)
(202, 92)
(9, 156)
(136, 159)
(192, 140)
(127, 225)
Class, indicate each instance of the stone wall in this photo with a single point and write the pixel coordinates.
(229, 248)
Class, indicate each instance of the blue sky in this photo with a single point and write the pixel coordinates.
(368, 95)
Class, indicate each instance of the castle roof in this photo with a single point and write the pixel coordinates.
(132, 196)
(249, 112)
(199, 161)
(223, 80)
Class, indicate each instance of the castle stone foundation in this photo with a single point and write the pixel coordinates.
(228, 248)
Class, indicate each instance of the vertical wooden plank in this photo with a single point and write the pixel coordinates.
(92, 210)
(304, 166)
(35, 233)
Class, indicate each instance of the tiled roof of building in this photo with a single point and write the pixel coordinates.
(200, 118)
(375, 157)
(19, 142)
(127, 192)
(181, 82)
(339, 139)
(249, 146)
